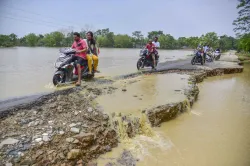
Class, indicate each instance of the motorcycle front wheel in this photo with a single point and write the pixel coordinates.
(58, 78)
(193, 60)
(139, 63)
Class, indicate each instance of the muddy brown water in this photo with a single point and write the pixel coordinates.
(26, 71)
(216, 131)
(145, 92)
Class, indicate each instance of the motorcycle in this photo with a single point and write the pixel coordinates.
(197, 58)
(146, 60)
(209, 57)
(66, 69)
(217, 55)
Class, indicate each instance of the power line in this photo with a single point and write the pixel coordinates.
(34, 13)
(26, 21)
(34, 19)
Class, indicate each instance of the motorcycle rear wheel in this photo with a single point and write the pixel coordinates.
(58, 78)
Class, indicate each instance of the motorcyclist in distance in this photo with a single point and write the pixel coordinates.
(151, 49)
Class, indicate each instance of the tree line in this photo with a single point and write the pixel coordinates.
(107, 38)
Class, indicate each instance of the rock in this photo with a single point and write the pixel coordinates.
(8, 164)
(124, 90)
(79, 162)
(61, 132)
(90, 109)
(38, 153)
(70, 140)
(72, 125)
(38, 139)
(31, 124)
(75, 130)
(76, 113)
(40, 122)
(105, 117)
(8, 141)
(45, 134)
(75, 141)
(78, 123)
(73, 154)
(50, 122)
(95, 113)
(36, 122)
(108, 148)
(20, 154)
(61, 155)
(135, 96)
(46, 138)
(85, 137)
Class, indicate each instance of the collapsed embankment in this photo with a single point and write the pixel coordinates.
(69, 128)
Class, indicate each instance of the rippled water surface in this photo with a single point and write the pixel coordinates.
(25, 71)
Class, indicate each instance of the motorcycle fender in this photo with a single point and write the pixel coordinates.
(59, 72)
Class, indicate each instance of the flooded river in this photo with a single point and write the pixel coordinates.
(216, 131)
(25, 71)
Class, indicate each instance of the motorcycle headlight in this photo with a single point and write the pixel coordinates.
(57, 64)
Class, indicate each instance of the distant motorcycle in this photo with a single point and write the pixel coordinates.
(217, 55)
(146, 60)
(66, 69)
(209, 57)
(197, 58)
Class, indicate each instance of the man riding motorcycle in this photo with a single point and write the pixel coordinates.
(151, 49)
(81, 47)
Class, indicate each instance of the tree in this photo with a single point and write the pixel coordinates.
(244, 43)
(137, 37)
(31, 39)
(182, 41)
(193, 42)
(54, 39)
(167, 41)
(210, 38)
(242, 23)
(122, 41)
(153, 34)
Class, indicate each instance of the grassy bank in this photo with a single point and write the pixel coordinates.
(243, 56)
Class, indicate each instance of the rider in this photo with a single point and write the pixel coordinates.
(93, 51)
(81, 47)
(205, 49)
(151, 49)
(156, 43)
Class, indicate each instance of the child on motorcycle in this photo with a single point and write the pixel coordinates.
(151, 49)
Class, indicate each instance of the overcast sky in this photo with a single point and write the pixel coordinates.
(176, 17)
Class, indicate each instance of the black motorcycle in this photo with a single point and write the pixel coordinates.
(146, 60)
(66, 69)
(197, 58)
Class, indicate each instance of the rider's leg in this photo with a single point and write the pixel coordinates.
(95, 60)
(153, 57)
(90, 61)
(79, 75)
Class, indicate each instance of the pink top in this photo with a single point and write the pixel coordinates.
(80, 45)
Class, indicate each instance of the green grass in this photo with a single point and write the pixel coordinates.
(243, 56)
